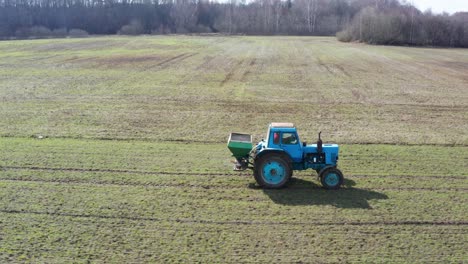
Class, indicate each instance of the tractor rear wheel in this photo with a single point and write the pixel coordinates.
(272, 171)
(331, 178)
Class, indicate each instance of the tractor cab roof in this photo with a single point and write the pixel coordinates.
(282, 125)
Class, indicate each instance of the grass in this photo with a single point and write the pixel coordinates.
(75, 240)
(80, 200)
(133, 165)
(198, 88)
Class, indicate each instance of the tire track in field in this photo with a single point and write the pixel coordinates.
(238, 222)
(333, 69)
(177, 58)
(222, 186)
(120, 184)
(231, 73)
(123, 171)
(221, 174)
(410, 177)
(248, 72)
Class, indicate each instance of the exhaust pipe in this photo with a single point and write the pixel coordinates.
(319, 143)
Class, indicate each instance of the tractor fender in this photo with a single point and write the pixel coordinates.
(278, 152)
(326, 167)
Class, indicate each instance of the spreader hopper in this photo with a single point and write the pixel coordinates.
(240, 144)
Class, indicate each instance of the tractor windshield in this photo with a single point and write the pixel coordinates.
(289, 138)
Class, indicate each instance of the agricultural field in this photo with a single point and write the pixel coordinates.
(113, 149)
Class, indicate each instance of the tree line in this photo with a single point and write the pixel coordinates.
(372, 21)
(392, 23)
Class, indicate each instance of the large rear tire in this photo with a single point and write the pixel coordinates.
(272, 171)
(331, 178)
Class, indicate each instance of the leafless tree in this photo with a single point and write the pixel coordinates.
(372, 21)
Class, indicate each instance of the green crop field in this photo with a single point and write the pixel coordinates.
(113, 149)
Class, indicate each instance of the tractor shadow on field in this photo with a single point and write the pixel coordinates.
(302, 192)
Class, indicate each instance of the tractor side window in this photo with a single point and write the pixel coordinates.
(289, 138)
(276, 138)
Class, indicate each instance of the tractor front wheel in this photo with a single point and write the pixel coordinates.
(272, 171)
(331, 178)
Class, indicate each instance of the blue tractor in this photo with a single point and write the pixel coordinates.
(273, 159)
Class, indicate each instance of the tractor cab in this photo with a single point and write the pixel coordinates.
(284, 136)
